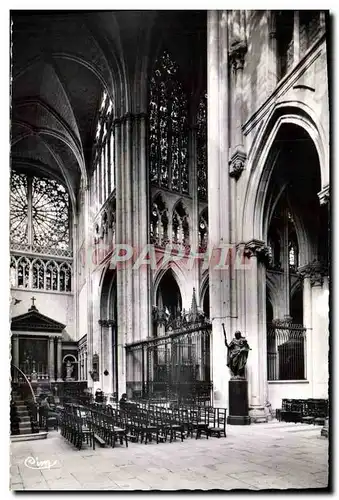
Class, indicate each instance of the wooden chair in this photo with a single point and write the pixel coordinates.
(219, 422)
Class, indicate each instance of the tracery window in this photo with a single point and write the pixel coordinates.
(51, 276)
(168, 127)
(39, 215)
(38, 269)
(40, 274)
(202, 148)
(23, 272)
(103, 176)
(159, 222)
(180, 225)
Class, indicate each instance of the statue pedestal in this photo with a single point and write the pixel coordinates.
(238, 402)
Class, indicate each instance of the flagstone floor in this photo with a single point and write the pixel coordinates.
(260, 456)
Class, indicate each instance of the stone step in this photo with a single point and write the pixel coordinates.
(24, 425)
(26, 431)
(21, 407)
(23, 413)
(29, 437)
(25, 418)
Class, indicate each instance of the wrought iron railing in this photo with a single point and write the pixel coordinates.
(174, 367)
(286, 351)
(20, 380)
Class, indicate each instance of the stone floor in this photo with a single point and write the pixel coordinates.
(261, 456)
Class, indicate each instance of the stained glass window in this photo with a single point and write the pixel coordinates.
(202, 148)
(103, 177)
(168, 127)
(39, 213)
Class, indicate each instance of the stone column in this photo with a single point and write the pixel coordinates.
(307, 321)
(119, 239)
(59, 359)
(132, 229)
(15, 355)
(218, 195)
(51, 362)
(255, 328)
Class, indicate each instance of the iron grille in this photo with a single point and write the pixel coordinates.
(286, 351)
(171, 368)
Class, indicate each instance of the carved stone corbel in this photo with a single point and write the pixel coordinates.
(237, 53)
(257, 248)
(237, 163)
(316, 271)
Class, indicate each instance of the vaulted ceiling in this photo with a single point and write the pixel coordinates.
(61, 64)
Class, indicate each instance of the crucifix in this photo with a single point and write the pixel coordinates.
(33, 299)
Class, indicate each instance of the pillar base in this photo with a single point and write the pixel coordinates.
(238, 420)
(258, 415)
(238, 402)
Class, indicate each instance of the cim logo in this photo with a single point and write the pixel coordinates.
(35, 463)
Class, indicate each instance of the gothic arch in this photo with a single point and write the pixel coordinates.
(179, 277)
(262, 159)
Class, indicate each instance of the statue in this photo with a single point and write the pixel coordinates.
(237, 353)
(69, 370)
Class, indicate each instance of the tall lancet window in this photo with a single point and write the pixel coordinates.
(168, 127)
(202, 148)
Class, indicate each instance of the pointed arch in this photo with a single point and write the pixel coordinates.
(263, 157)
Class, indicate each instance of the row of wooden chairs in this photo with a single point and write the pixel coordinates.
(303, 410)
(184, 422)
(76, 427)
(109, 426)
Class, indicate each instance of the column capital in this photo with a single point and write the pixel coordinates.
(258, 248)
(324, 195)
(237, 52)
(237, 162)
(106, 322)
(315, 270)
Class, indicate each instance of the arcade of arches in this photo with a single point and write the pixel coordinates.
(155, 187)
